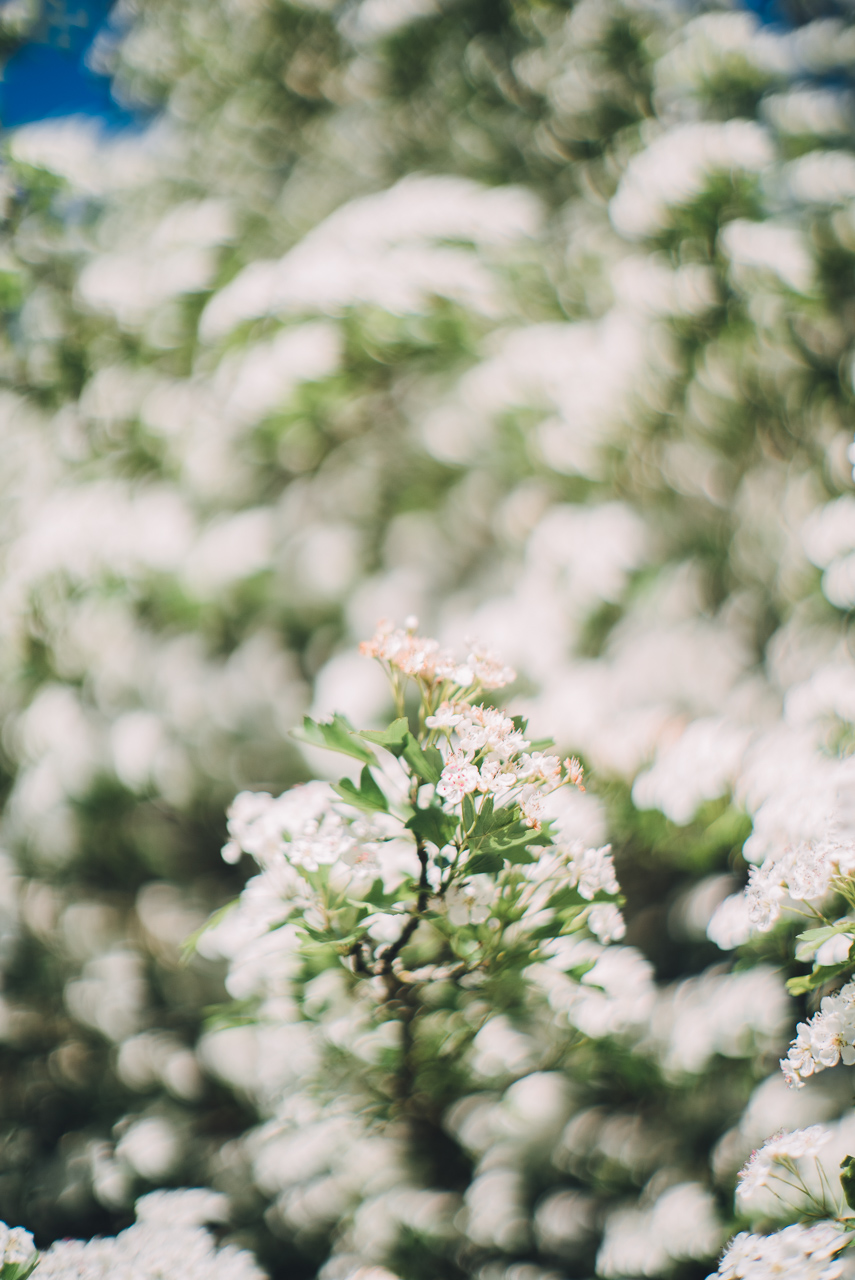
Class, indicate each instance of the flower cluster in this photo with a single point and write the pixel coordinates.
(777, 1156)
(592, 870)
(250, 437)
(402, 650)
(488, 754)
(168, 1238)
(818, 873)
(445, 828)
(18, 1254)
(809, 1252)
(309, 827)
(825, 1039)
(802, 874)
(588, 871)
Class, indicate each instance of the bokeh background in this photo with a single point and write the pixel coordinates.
(532, 318)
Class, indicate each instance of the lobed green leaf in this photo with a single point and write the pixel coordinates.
(426, 763)
(367, 796)
(337, 734)
(393, 738)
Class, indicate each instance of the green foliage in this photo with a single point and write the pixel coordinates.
(18, 1270)
(394, 739)
(500, 836)
(434, 825)
(280, 111)
(812, 939)
(426, 762)
(367, 796)
(847, 1180)
(337, 735)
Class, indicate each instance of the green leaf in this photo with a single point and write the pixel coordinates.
(578, 971)
(427, 764)
(336, 735)
(544, 836)
(801, 985)
(375, 897)
(18, 1270)
(812, 939)
(568, 896)
(542, 744)
(234, 1013)
(367, 796)
(823, 973)
(434, 825)
(487, 820)
(483, 862)
(468, 812)
(501, 831)
(511, 844)
(573, 920)
(393, 738)
(847, 1179)
(821, 934)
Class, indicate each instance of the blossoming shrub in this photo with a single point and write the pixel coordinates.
(438, 1009)
(168, 1238)
(805, 1172)
(532, 320)
(390, 932)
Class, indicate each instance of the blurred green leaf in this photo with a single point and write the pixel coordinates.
(847, 1179)
(393, 738)
(337, 734)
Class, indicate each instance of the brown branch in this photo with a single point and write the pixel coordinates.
(414, 921)
(358, 956)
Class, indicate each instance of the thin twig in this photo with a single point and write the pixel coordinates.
(414, 921)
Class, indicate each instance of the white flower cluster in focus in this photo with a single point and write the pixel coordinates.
(507, 769)
(824, 1040)
(777, 1155)
(347, 862)
(804, 873)
(800, 1252)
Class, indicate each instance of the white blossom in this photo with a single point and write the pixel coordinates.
(458, 778)
(472, 901)
(300, 825)
(17, 1246)
(730, 924)
(446, 716)
(809, 1252)
(167, 1239)
(592, 871)
(781, 1150)
(801, 873)
(483, 728)
(606, 922)
(825, 1039)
